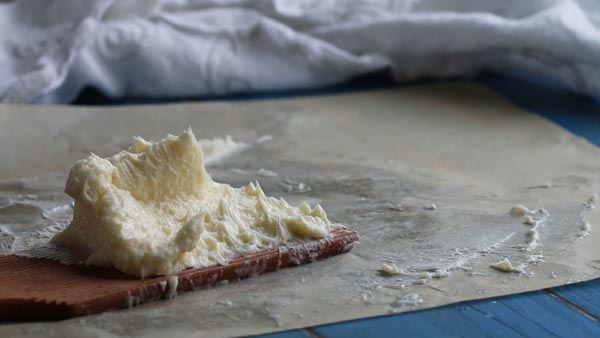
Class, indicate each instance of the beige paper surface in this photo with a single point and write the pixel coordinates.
(375, 161)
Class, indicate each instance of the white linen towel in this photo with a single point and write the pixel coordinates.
(50, 50)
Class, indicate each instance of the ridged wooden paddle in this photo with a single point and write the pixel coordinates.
(33, 288)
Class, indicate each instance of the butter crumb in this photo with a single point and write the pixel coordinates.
(505, 266)
(529, 220)
(532, 236)
(392, 270)
(389, 269)
(519, 210)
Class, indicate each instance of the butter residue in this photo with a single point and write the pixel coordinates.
(172, 282)
(430, 207)
(217, 148)
(390, 269)
(154, 210)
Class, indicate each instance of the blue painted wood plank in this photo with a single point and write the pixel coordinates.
(584, 295)
(525, 315)
(372, 81)
(284, 334)
(552, 100)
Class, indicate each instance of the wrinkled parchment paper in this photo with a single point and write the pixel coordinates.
(377, 161)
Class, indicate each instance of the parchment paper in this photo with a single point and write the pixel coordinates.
(376, 161)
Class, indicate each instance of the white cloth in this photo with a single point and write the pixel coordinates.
(51, 49)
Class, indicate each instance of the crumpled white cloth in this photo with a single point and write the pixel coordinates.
(52, 49)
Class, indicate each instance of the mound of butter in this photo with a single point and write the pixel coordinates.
(154, 210)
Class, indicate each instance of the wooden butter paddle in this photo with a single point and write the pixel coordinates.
(32, 288)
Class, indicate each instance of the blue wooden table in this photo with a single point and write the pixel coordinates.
(568, 311)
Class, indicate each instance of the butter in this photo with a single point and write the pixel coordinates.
(393, 270)
(389, 269)
(505, 266)
(519, 210)
(154, 210)
(528, 220)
